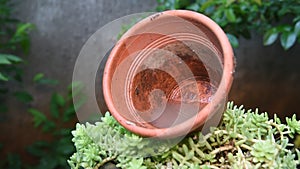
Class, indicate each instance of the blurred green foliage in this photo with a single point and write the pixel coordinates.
(274, 19)
(53, 154)
(14, 41)
(14, 46)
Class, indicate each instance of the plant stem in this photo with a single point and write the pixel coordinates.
(246, 147)
(277, 127)
(238, 135)
(105, 161)
(211, 166)
(220, 149)
(243, 157)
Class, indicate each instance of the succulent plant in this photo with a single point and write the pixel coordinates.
(244, 139)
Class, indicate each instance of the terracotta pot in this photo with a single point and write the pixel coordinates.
(169, 74)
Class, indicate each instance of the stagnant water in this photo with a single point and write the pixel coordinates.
(171, 87)
(163, 102)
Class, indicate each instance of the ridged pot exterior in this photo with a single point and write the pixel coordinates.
(142, 74)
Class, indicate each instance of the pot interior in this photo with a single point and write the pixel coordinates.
(165, 72)
(167, 81)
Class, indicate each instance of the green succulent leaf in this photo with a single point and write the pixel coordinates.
(294, 125)
(136, 164)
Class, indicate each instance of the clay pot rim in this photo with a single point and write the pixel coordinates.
(224, 87)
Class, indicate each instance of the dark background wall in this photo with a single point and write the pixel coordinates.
(266, 77)
(62, 27)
